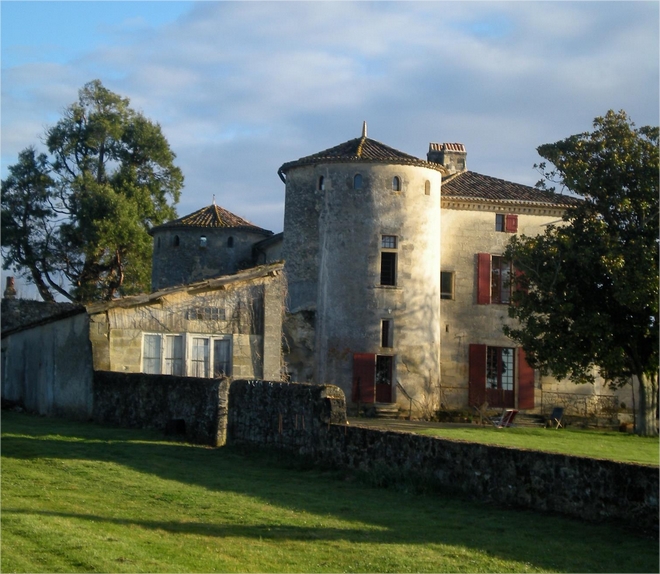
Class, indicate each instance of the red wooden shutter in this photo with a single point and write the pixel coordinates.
(364, 375)
(477, 382)
(525, 382)
(511, 225)
(483, 278)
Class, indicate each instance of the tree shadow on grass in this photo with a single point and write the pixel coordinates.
(545, 542)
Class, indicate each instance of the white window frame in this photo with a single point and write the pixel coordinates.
(188, 342)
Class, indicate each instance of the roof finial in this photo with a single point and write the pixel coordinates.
(214, 199)
(364, 129)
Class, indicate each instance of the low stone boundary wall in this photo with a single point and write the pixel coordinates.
(194, 407)
(310, 420)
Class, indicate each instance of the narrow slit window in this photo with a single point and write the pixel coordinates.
(396, 183)
(446, 284)
(427, 187)
(386, 332)
(357, 181)
(230, 242)
(388, 268)
(321, 183)
(202, 241)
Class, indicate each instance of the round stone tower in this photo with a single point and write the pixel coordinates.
(362, 258)
(207, 243)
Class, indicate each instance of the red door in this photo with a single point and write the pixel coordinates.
(364, 374)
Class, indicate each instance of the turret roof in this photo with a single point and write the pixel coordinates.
(362, 149)
(469, 185)
(212, 216)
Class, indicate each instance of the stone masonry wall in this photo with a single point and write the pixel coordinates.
(137, 400)
(310, 420)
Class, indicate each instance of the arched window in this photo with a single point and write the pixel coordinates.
(427, 187)
(396, 183)
(230, 242)
(357, 181)
(202, 241)
(176, 241)
(321, 183)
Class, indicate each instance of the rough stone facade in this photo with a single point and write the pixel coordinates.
(244, 309)
(336, 230)
(192, 407)
(310, 420)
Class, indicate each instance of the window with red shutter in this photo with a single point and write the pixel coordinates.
(483, 278)
(511, 223)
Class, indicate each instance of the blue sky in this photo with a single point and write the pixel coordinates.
(241, 87)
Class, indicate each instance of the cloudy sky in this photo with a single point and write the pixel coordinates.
(241, 87)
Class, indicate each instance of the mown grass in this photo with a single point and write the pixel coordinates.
(617, 446)
(84, 498)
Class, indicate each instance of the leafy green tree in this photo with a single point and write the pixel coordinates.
(587, 297)
(109, 178)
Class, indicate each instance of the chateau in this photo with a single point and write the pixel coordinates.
(397, 289)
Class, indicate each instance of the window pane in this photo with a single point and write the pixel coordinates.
(388, 268)
(221, 358)
(200, 357)
(396, 183)
(174, 355)
(507, 369)
(492, 367)
(388, 242)
(499, 222)
(446, 285)
(151, 354)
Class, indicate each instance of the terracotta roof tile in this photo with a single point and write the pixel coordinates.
(214, 217)
(446, 147)
(360, 149)
(474, 186)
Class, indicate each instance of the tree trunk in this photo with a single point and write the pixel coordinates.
(646, 422)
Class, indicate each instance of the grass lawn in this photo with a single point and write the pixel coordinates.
(78, 497)
(595, 444)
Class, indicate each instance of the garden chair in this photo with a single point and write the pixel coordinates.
(556, 417)
(505, 419)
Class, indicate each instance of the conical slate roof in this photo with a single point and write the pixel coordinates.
(361, 149)
(212, 216)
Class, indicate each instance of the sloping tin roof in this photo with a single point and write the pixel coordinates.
(20, 314)
(212, 216)
(219, 282)
(360, 149)
(469, 185)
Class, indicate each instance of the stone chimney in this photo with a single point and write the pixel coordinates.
(452, 156)
(10, 290)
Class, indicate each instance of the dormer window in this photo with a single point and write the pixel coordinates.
(396, 183)
(357, 181)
